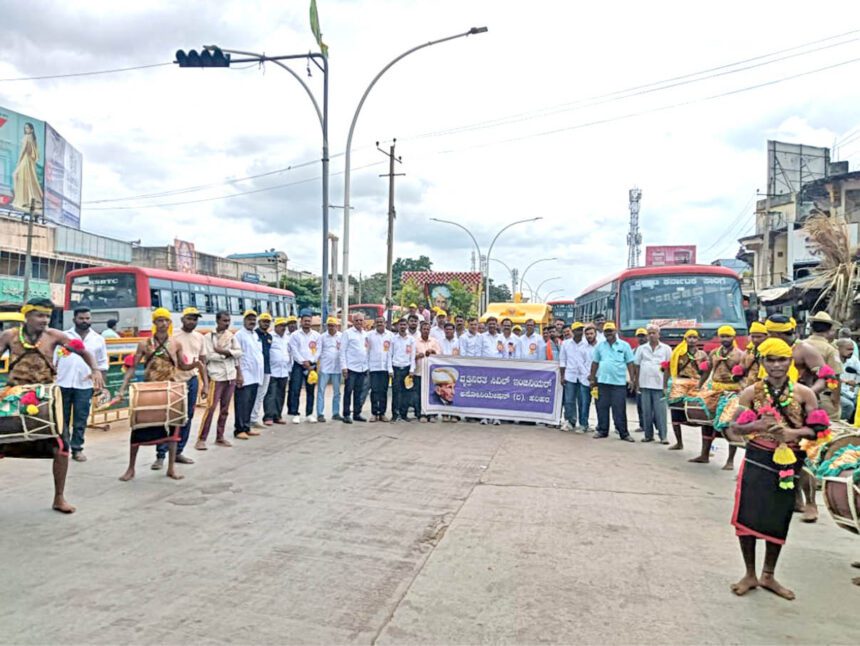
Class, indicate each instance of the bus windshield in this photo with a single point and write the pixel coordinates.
(682, 301)
(564, 311)
(103, 291)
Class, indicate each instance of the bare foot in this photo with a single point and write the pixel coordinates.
(175, 476)
(745, 585)
(676, 447)
(700, 460)
(729, 466)
(769, 583)
(856, 580)
(856, 564)
(62, 505)
(810, 513)
(128, 475)
(798, 507)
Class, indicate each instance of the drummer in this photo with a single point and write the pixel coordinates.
(806, 364)
(764, 500)
(685, 373)
(160, 356)
(31, 349)
(722, 362)
(751, 361)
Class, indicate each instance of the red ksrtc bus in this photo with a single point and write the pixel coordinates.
(563, 309)
(675, 297)
(129, 294)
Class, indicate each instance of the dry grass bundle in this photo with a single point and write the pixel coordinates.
(837, 275)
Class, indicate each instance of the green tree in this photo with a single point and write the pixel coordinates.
(422, 263)
(373, 288)
(462, 299)
(410, 292)
(500, 293)
(308, 292)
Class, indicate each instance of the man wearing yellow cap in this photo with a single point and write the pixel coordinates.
(724, 364)
(686, 375)
(641, 340)
(750, 363)
(264, 324)
(305, 352)
(280, 366)
(249, 378)
(159, 355)
(438, 330)
(31, 349)
(191, 371)
(329, 370)
(611, 365)
(773, 416)
(574, 360)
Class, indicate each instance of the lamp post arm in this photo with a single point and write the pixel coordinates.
(264, 58)
(533, 264)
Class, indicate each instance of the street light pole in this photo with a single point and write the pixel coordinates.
(523, 277)
(536, 293)
(347, 175)
(490, 251)
(477, 248)
(322, 115)
(511, 272)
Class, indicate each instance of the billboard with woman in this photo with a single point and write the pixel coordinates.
(22, 161)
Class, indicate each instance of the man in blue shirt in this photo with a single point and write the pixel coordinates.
(610, 365)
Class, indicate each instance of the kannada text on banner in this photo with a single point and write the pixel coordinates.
(509, 390)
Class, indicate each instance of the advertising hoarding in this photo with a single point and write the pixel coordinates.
(22, 161)
(657, 256)
(63, 176)
(186, 260)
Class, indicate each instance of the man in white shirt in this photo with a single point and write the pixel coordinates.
(280, 366)
(329, 370)
(471, 341)
(599, 322)
(379, 364)
(575, 364)
(403, 366)
(249, 378)
(459, 325)
(650, 380)
(304, 351)
(412, 326)
(438, 331)
(75, 380)
(510, 341)
(450, 344)
(532, 345)
(491, 343)
(353, 366)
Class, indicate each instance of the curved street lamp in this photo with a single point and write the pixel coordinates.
(347, 175)
(526, 270)
(536, 292)
(490, 250)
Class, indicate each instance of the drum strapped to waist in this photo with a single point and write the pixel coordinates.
(42, 419)
(161, 404)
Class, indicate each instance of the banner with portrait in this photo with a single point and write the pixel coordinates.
(518, 391)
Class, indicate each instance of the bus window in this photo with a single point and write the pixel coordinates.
(201, 301)
(181, 300)
(219, 302)
(104, 291)
(235, 305)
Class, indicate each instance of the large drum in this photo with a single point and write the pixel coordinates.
(679, 389)
(31, 421)
(842, 497)
(157, 409)
(697, 413)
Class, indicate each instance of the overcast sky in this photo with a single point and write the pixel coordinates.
(492, 128)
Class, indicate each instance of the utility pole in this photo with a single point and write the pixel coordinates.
(359, 287)
(28, 261)
(391, 215)
(634, 238)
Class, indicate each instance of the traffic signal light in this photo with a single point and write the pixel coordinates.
(207, 58)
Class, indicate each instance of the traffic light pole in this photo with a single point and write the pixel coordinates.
(322, 115)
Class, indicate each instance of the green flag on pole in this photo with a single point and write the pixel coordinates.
(315, 28)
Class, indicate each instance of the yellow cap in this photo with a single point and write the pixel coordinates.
(191, 311)
(441, 312)
(774, 347)
(248, 313)
(726, 330)
(757, 328)
(576, 326)
(413, 305)
(280, 321)
(331, 320)
(160, 313)
(265, 316)
(689, 333)
(292, 319)
(609, 325)
(641, 332)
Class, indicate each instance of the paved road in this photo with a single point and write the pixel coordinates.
(406, 533)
